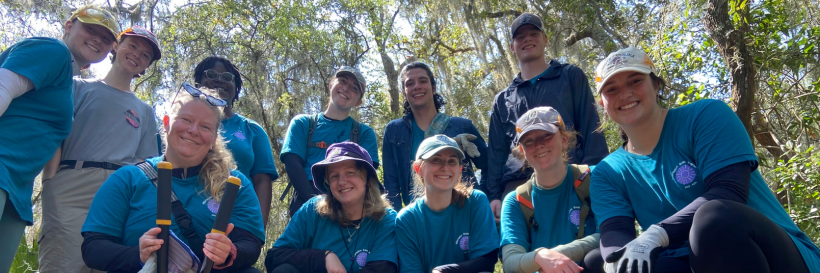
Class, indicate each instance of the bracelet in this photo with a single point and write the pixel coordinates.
(328, 253)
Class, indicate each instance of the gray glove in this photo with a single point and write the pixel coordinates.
(465, 144)
(639, 252)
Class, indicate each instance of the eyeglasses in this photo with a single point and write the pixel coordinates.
(198, 93)
(213, 74)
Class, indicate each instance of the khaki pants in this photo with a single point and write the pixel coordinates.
(66, 199)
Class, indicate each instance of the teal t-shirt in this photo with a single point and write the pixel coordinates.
(696, 140)
(327, 130)
(427, 238)
(36, 122)
(557, 212)
(374, 241)
(418, 137)
(125, 206)
(250, 146)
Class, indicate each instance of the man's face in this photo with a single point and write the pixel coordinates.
(418, 88)
(529, 43)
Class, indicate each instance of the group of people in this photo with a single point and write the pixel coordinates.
(551, 198)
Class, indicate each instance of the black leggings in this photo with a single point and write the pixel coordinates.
(728, 236)
(284, 268)
(593, 262)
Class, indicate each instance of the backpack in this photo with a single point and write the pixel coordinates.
(314, 119)
(523, 194)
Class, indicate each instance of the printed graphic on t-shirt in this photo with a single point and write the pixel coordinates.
(464, 242)
(213, 205)
(685, 173)
(239, 135)
(132, 118)
(575, 215)
(361, 257)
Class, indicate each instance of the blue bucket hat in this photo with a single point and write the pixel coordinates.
(339, 152)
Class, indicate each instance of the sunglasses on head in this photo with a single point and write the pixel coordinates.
(198, 93)
(213, 74)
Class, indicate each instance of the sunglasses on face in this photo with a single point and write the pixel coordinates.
(213, 75)
(198, 93)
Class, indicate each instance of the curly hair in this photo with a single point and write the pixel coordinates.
(375, 204)
(438, 100)
(209, 63)
(218, 163)
(461, 191)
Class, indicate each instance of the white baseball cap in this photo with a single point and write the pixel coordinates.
(627, 59)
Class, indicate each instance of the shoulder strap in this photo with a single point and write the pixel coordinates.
(354, 131)
(581, 184)
(178, 209)
(312, 121)
(523, 194)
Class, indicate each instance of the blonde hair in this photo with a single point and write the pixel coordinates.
(572, 138)
(218, 163)
(375, 204)
(461, 191)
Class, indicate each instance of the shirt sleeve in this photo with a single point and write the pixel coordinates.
(104, 252)
(499, 149)
(296, 138)
(26, 59)
(384, 248)
(483, 226)
(592, 146)
(406, 243)
(12, 85)
(262, 152)
(390, 169)
(513, 224)
(246, 212)
(719, 138)
(371, 144)
(110, 207)
(608, 200)
(148, 139)
(300, 229)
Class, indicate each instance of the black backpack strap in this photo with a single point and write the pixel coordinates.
(181, 216)
(354, 131)
(312, 121)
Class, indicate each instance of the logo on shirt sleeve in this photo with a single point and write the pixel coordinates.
(685, 173)
(132, 118)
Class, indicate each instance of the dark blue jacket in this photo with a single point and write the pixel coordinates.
(397, 159)
(563, 87)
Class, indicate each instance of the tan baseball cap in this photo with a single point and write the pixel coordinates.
(97, 16)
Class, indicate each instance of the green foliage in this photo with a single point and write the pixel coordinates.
(800, 180)
(26, 258)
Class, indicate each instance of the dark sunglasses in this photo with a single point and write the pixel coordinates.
(213, 74)
(197, 93)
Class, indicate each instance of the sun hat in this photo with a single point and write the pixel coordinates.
(339, 152)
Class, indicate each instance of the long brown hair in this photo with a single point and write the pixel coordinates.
(218, 162)
(461, 192)
(375, 204)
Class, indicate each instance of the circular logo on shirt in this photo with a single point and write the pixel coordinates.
(132, 118)
(361, 258)
(575, 216)
(464, 242)
(239, 135)
(685, 174)
(213, 206)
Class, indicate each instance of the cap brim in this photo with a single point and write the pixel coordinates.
(361, 85)
(95, 22)
(549, 127)
(619, 70)
(432, 152)
(157, 52)
(524, 24)
(318, 172)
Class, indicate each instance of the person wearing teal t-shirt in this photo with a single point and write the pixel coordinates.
(247, 141)
(302, 149)
(553, 242)
(120, 232)
(351, 228)
(36, 107)
(689, 176)
(449, 227)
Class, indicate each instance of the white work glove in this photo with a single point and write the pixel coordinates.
(610, 268)
(465, 144)
(639, 252)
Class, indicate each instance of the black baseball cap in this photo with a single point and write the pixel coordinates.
(526, 19)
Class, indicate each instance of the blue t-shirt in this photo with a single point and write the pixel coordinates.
(696, 140)
(557, 212)
(374, 241)
(36, 122)
(418, 137)
(327, 130)
(126, 206)
(427, 238)
(250, 146)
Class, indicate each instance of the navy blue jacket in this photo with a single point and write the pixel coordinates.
(563, 87)
(397, 159)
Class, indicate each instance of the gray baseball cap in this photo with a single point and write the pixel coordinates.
(434, 144)
(526, 19)
(355, 72)
(543, 118)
